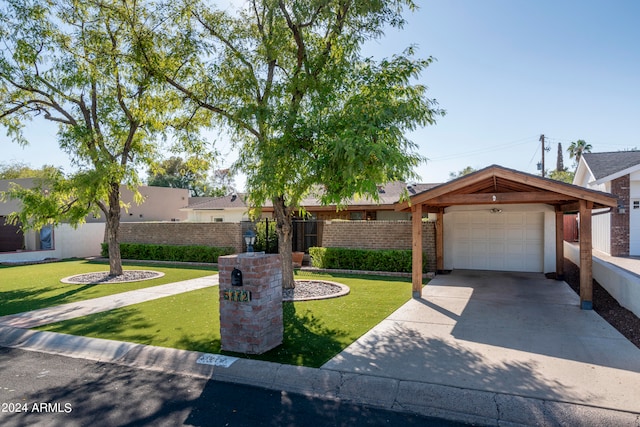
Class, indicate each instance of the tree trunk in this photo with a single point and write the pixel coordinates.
(113, 230)
(284, 229)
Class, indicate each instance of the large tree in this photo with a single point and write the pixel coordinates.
(77, 65)
(191, 174)
(175, 172)
(305, 107)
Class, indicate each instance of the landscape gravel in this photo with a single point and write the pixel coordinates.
(103, 277)
(314, 289)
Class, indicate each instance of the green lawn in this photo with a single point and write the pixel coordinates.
(29, 287)
(314, 331)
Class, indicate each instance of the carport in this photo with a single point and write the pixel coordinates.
(490, 191)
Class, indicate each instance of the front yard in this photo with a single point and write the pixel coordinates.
(30, 287)
(314, 331)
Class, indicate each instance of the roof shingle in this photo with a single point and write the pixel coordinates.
(606, 164)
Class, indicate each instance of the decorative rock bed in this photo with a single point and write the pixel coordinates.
(307, 290)
(102, 277)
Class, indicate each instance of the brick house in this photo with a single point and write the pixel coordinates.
(234, 208)
(615, 231)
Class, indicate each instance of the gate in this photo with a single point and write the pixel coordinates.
(305, 234)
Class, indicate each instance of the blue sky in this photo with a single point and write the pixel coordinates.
(507, 71)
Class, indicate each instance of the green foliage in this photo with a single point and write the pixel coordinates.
(363, 259)
(564, 176)
(53, 199)
(190, 253)
(266, 242)
(79, 66)
(577, 148)
(463, 172)
(307, 109)
(22, 170)
(192, 174)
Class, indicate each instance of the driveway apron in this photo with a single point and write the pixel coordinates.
(515, 333)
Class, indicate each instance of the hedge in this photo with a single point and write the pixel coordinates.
(364, 259)
(190, 253)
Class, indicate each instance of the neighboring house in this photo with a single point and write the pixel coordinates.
(231, 208)
(160, 204)
(615, 231)
(358, 209)
(234, 208)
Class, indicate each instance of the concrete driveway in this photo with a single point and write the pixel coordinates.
(514, 333)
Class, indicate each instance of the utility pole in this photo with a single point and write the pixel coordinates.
(542, 140)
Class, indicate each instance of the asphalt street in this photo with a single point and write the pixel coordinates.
(38, 389)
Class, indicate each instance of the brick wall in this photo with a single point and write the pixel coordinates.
(218, 234)
(335, 234)
(379, 235)
(620, 187)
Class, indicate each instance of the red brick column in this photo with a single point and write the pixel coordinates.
(620, 221)
(251, 314)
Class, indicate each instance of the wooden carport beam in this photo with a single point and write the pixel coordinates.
(440, 240)
(586, 260)
(416, 272)
(559, 244)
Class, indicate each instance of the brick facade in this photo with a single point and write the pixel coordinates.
(217, 234)
(254, 326)
(620, 187)
(379, 235)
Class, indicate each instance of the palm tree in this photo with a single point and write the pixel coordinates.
(577, 148)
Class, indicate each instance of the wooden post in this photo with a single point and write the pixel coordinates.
(440, 240)
(416, 274)
(559, 245)
(586, 260)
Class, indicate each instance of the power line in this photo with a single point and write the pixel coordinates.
(521, 141)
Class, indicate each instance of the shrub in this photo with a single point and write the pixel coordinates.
(266, 238)
(364, 259)
(191, 253)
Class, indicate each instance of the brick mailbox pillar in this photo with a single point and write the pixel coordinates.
(251, 314)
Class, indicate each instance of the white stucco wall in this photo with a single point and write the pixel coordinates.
(622, 285)
(227, 215)
(68, 243)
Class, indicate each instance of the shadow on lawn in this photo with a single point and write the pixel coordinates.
(307, 340)
(107, 325)
(21, 300)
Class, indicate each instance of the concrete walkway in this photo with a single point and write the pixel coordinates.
(481, 347)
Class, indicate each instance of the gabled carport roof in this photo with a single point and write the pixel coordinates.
(499, 185)
(496, 185)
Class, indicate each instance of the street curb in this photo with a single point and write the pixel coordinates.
(416, 397)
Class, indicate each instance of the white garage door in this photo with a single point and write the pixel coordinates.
(505, 241)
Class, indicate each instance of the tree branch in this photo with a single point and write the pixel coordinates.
(192, 96)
